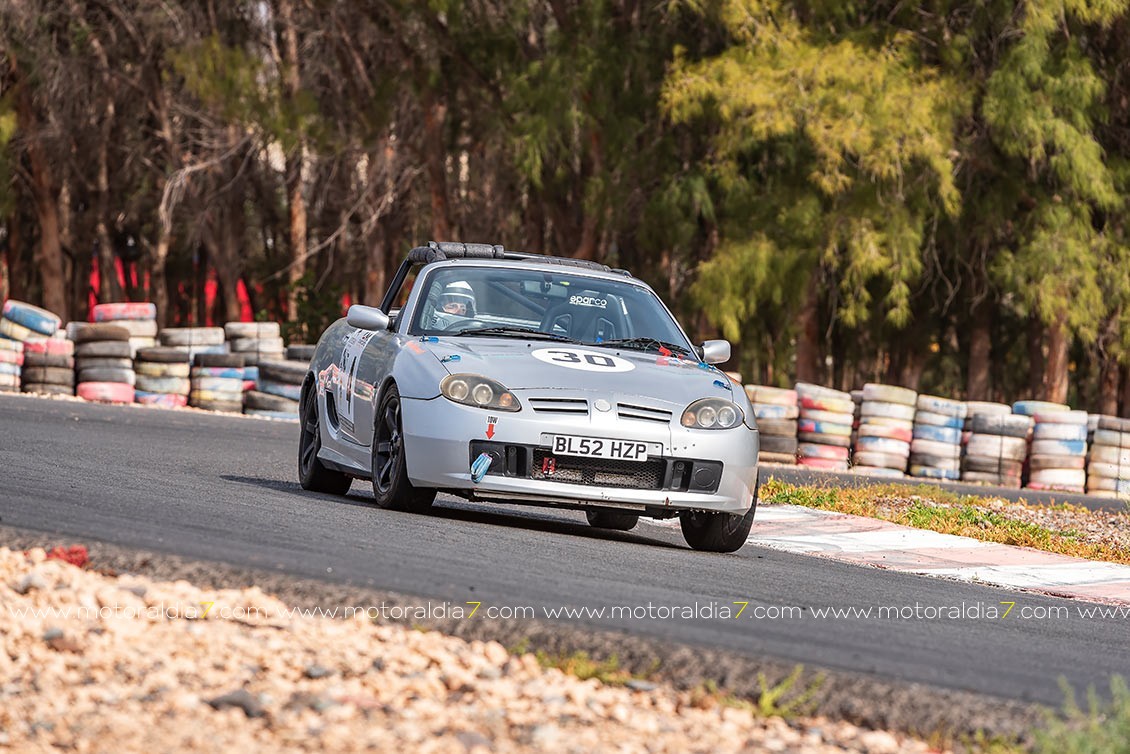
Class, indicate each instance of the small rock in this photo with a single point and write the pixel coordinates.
(33, 580)
(545, 737)
(315, 672)
(378, 665)
(638, 685)
(316, 702)
(239, 699)
(473, 740)
(878, 742)
(60, 642)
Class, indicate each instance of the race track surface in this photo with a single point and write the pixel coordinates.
(220, 488)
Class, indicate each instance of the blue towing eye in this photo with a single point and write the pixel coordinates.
(450, 357)
(429, 339)
(703, 365)
(723, 385)
(480, 466)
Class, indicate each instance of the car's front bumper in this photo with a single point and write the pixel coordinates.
(714, 470)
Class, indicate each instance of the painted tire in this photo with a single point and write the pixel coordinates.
(101, 332)
(1107, 471)
(827, 405)
(219, 360)
(1000, 480)
(12, 357)
(930, 419)
(953, 463)
(163, 355)
(137, 328)
(811, 390)
(123, 311)
(32, 317)
(823, 463)
(932, 472)
(12, 331)
(175, 385)
(829, 452)
(227, 406)
(257, 345)
(1059, 432)
(1107, 454)
(888, 410)
(99, 362)
(827, 417)
(935, 448)
(1114, 424)
(779, 427)
(1071, 418)
(822, 439)
(158, 369)
(49, 347)
(267, 402)
(769, 411)
(771, 396)
(787, 459)
(7, 344)
(46, 360)
(878, 460)
(883, 445)
(227, 373)
(168, 400)
(305, 352)
(105, 392)
(282, 389)
(237, 330)
(46, 388)
(992, 465)
(937, 434)
(284, 415)
(1059, 447)
(49, 376)
(1012, 425)
(1106, 437)
(219, 385)
(106, 374)
(808, 425)
(1108, 484)
(886, 421)
(103, 349)
(1031, 408)
(874, 392)
(250, 385)
(192, 336)
(777, 444)
(1036, 463)
(986, 408)
(867, 429)
(251, 373)
(255, 359)
(293, 372)
(934, 404)
(997, 446)
(878, 471)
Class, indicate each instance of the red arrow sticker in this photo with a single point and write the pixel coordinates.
(491, 421)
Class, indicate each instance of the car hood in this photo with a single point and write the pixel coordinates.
(546, 365)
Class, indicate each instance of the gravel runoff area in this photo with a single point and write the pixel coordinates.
(850, 712)
(141, 664)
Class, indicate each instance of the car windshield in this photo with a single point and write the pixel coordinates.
(544, 304)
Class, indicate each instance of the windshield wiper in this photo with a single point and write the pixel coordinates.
(644, 344)
(525, 332)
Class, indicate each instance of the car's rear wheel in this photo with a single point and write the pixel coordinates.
(612, 520)
(391, 487)
(717, 532)
(312, 474)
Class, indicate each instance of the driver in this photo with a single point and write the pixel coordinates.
(456, 302)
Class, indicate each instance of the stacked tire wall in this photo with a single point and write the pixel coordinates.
(20, 323)
(49, 366)
(886, 430)
(935, 451)
(280, 385)
(138, 319)
(162, 376)
(256, 341)
(1057, 458)
(824, 428)
(775, 410)
(217, 382)
(997, 448)
(104, 363)
(1108, 462)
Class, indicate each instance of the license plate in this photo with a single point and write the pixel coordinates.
(599, 447)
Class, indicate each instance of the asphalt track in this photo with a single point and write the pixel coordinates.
(222, 489)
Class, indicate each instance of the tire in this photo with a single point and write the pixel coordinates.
(789, 459)
(992, 465)
(12, 357)
(986, 408)
(867, 429)
(950, 463)
(46, 388)
(157, 369)
(49, 347)
(614, 520)
(822, 439)
(886, 421)
(883, 445)
(32, 317)
(219, 360)
(933, 472)
(231, 401)
(49, 376)
(1038, 463)
(225, 385)
(98, 332)
(312, 475)
(1114, 424)
(819, 391)
(7, 344)
(1031, 408)
(933, 404)
(237, 330)
(391, 488)
(771, 396)
(105, 392)
(880, 471)
(937, 434)
(166, 400)
(266, 402)
(824, 428)
(254, 359)
(104, 349)
(1000, 480)
(290, 372)
(1003, 425)
(717, 532)
(1107, 454)
(12, 331)
(103, 362)
(132, 311)
(778, 444)
(887, 410)
(829, 417)
(301, 352)
(823, 463)
(50, 361)
(831, 405)
(192, 336)
(107, 374)
(762, 411)
(873, 391)
(997, 446)
(830, 452)
(1059, 448)
(282, 389)
(878, 460)
(257, 345)
(1071, 432)
(1107, 437)
(163, 355)
(10, 369)
(227, 407)
(778, 427)
(932, 419)
(172, 385)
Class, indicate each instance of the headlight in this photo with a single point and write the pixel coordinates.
(712, 413)
(480, 392)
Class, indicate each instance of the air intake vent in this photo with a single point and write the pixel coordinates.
(574, 406)
(643, 413)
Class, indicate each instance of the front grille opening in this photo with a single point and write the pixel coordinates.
(598, 472)
(643, 413)
(559, 405)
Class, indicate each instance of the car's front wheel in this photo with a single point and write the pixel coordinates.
(391, 487)
(717, 532)
(312, 474)
(612, 520)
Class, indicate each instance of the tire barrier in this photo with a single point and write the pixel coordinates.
(997, 445)
(285, 380)
(194, 341)
(1108, 462)
(103, 359)
(29, 319)
(255, 341)
(217, 386)
(885, 429)
(824, 427)
(1057, 455)
(304, 352)
(105, 392)
(20, 323)
(775, 411)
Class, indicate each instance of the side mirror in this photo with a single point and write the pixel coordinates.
(716, 351)
(371, 318)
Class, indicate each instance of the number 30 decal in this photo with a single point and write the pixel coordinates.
(588, 361)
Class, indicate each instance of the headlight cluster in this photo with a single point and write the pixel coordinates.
(712, 413)
(480, 392)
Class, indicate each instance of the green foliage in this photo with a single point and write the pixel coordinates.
(1100, 729)
(317, 308)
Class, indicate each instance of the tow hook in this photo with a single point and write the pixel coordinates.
(480, 466)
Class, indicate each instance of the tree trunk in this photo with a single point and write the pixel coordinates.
(295, 161)
(978, 380)
(1035, 356)
(435, 160)
(809, 364)
(158, 283)
(107, 271)
(45, 194)
(1055, 368)
(1125, 411)
(1109, 374)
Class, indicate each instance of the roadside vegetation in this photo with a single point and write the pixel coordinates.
(1063, 529)
(1098, 729)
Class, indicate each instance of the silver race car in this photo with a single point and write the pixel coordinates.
(522, 378)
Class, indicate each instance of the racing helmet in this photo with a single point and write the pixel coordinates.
(458, 298)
